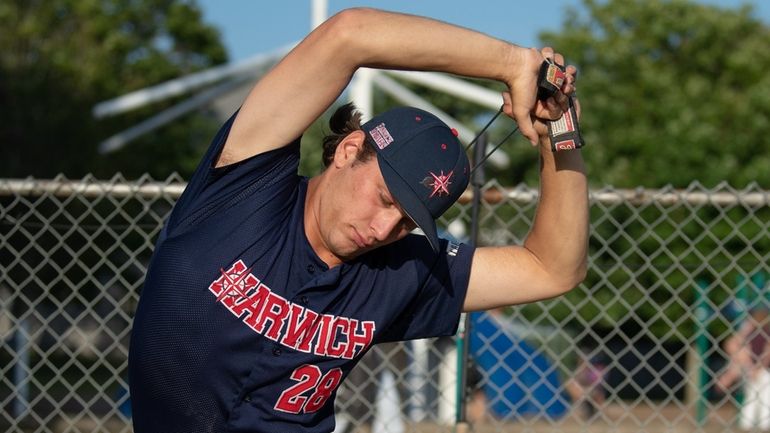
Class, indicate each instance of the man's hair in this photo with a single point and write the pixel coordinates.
(345, 120)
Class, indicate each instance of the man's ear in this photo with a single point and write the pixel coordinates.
(348, 149)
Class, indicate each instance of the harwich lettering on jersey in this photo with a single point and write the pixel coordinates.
(287, 323)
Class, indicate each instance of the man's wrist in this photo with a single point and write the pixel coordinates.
(519, 61)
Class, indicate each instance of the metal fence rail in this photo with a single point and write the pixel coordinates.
(639, 346)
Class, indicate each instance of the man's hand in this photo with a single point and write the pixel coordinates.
(521, 103)
(521, 97)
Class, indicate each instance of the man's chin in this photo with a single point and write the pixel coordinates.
(348, 254)
(344, 254)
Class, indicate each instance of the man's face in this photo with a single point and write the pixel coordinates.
(359, 214)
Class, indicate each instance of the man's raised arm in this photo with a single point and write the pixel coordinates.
(310, 78)
(553, 258)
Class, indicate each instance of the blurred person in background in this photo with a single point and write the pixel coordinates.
(748, 363)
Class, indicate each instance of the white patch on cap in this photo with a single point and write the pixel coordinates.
(381, 136)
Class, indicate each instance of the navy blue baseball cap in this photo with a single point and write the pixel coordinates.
(423, 163)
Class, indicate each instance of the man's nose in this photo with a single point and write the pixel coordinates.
(385, 223)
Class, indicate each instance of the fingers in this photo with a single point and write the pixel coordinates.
(558, 58)
(569, 84)
(538, 126)
(507, 107)
(549, 53)
(528, 116)
(523, 120)
(522, 89)
(568, 87)
(521, 104)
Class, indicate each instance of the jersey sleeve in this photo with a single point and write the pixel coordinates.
(435, 309)
(212, 189)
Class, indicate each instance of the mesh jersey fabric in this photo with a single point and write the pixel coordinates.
(238, 312)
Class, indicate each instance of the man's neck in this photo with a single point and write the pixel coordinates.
(312, 226)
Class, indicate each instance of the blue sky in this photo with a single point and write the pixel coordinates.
(251, 27)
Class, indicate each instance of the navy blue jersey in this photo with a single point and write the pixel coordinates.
(242, 328)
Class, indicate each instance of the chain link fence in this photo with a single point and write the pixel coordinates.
(646, 343)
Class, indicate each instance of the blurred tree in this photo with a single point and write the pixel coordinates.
(672, 91)
(60, 57)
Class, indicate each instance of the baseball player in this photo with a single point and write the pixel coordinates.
(265, 287)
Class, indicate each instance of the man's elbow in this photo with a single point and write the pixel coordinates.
(341, 30)
(580, 273)
(563, 282)
(348, 25)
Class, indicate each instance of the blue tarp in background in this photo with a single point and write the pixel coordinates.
(520, 381)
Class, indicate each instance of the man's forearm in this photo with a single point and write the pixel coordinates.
(429, 45)
(559, 235)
